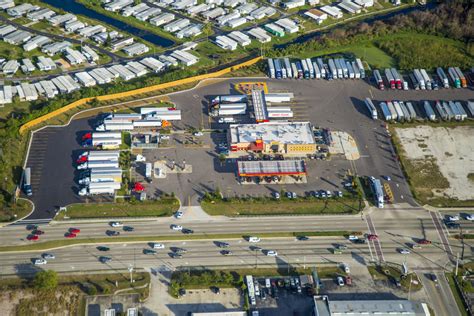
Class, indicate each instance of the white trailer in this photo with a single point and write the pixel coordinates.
(97, 135)
(98, 164)
(147, 123)
(385, 111)
(93, 155)
(233, 98)
(371, 107)
(96, 191)
(115, 126)
(231, 111)
(400, 114)
(278, 97)
(283, 111)
(392, 110)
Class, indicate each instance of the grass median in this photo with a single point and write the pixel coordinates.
(48, 245)
(161, 208)
(457, 294)
(267, 206)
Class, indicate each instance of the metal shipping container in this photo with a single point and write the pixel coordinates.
(392, 110)
(411, 109)
(271, 68)
(371, 107)
(289, 71)
(430, 114)
(385, 111)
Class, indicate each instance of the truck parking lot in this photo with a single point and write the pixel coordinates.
(338, 105)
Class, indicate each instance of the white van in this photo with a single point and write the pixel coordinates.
(267, 283)
(158, 246)
(254, 239)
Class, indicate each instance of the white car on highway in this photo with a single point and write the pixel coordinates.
(158, 246)
(116, 224)
(352, 237)
(272, 253)
(176, 227)
(470, 217)
(404, 251)
(48, 256)
(254, 239)
(179, 214)
(40, 261)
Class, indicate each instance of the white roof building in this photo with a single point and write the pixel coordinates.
(183, 4)
(42, 14)
(185, 57)
(73, 26)
(7, 29)
(147, 14)
(176, 25)
(291, 4)
(152, 63)
(232, 3)
(317, 15)
(54, 48)
(262, 12)
(260, 35)
(168, 60)
(162, 19)
(240, 38)
(27, 66)
(29, 91)
(50, 90)
(246, 8)
(21, 9)
(10, 67)
(333, 12)
(74, 57)
(226, 43)
(289, 25)
(236, 22)
(89, 31)
(203, 7)
(117, 5)
(350, 7)
(36, 42)
(213, 14)
(90, 54)
(61, 19)
(190, 31)
(17, 37)
(137, 68)
(136, 49)
(5, 4)
(134, 9)
(364, 3)
(224, 19)
(45, 63)
(122, 42)
(85, 79)
(122, 72)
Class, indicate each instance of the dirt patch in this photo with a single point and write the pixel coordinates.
(437, 160)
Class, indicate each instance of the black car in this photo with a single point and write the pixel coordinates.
(178, 250)
(113, 233)
(215, 290)
(226, 252)
(182, 292)
(175, 255)
(104, 259)
(187, 231)
(223, 244)
(360, 241)
(103, 248)
(452, 225)
(128, 229)
(302, 238)
(149, 251)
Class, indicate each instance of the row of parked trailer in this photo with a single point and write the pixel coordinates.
(403, 111)
(421, 79)
(332, 68)
(149, 118)
(101, 173)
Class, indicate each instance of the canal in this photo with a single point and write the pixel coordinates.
(78, 8)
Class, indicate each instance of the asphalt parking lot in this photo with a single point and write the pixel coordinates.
(337, 105)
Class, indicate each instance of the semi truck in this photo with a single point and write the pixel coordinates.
(305, 69)
(411, 109)
(392, 110)
(232, 98)
(419, 78)
(390, 79)
(385, 111)
(332, 70)
(98, 164)
(98, 155)
(371, 107)
(232, 110)
(454, 77)
(461, 76)
(278, 72)
(470, 107)
(95, 188)
(294, 70)
(378, 79)
(289, 71)
(299, 68)
(27, 182)
(279, 97)
(399, 111)
(276, 112)
(441, 111)
(322, 67)
(361, 68)
(427, 79)
(148, 170)
(317, 71)
(461, 110)
(351, 70)
(430, 114)
(406, 114)
(310, 68)
(356, 70)
(102, 177)
(271, 68)
(115, 126)
(103, 143)
(442, 77)
(397, 77)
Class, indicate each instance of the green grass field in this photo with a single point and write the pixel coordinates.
(163, 207)
(281, 207)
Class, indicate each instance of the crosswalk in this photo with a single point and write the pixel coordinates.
(26, 222)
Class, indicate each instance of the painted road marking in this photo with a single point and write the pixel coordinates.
(376, 242)
(441, 234)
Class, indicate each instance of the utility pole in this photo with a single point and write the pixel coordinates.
(409, 287)
(457, 264)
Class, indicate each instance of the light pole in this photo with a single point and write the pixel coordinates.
(130, 269)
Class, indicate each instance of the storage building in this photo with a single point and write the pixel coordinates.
(45, 63)
(176, 25)
(136, 49)
(74, 57)
(10, 67)
(317, 15)
(288, 25)
(61, 19)
(350, 7)
(226, 43)
(42, 14)
(162, 19)
(21, 9)
(274, 29)
(137, 68)
(292, 4)
(260, 35)
(152, 63)
(333, 12)
(213, 14)
(184, 57)
(73, 26)
(17, 37)
(36, 42)
(27, 66)
(54, 48)
(240, 38)
(85, 79)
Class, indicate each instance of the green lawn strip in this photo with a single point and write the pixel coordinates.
(390, 273)
(163, 207)
(108, 240)
(268, 206)
(16, 212)
(457, 295)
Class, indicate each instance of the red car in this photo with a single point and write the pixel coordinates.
(32, 237)
(38, 232)
(70, 235)
(74, 230)
(424, 242)
(372, 237)
(348, 280)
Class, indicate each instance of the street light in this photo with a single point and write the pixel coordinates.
(130, 269)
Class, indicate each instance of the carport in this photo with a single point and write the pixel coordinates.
(272, 171)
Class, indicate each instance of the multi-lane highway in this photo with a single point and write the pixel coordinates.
(396, 227)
